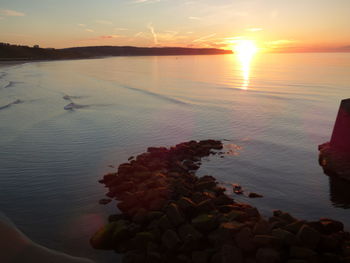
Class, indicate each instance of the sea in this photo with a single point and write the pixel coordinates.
(64, 124)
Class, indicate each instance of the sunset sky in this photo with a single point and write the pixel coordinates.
(274, 25)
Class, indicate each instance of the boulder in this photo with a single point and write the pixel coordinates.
(301, 252)
(267, 255)
(309, 236)
(170, 239)
(205, 222)
(244, 240)
(187, 231)
(174, 214)
(230, 253)
(287, 237)
(255, 195)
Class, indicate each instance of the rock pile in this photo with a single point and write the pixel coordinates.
(170, 215)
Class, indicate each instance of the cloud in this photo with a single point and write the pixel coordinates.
(146, 1)
(89, 30)
(120, 29)
(139, 34)
(204, 38)
(103, 22)
(109, 36)
(194, 18)
(82, 25)
(8, 12)
(254, 29)
(151, 28)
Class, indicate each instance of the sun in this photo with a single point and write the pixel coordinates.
(245, 48)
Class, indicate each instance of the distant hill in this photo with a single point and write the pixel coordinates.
(16, 52)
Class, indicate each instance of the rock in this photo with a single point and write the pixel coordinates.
(164, 223)
(170, 239)
(104, 201)
(328, 244)
(134, 256)
(205, 206)
(223, 200)
(267, 255)
(301, 252)
(287, 237)
(308, 236)
(297, 261)
(120, 231)
(204, 222)
(346, 251)
(153, 257)
(331, 258)
(266, 240)
(102, 239)
(187, 232)
(230, 253)
(284, 216)
(249, 260)
(174, 215)
(186, 204)
(141, 240)
(255, 195)
(202, 256)
(206, 185)
(237, 215)
(244, 239)
(140, 217)
(262, 227)
(295, 226)
(154, 215)
(327, 226)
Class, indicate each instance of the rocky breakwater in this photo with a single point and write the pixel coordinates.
(168, 214)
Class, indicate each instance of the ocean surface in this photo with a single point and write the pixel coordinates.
(272, 110)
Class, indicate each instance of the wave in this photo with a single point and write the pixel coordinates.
(68, 97)
(2, 74)
(10, 84)
(10, 104)
(161, 96)
(73, 106)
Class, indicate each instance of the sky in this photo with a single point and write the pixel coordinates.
(274, 25)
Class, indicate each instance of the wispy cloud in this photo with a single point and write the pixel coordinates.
(139, 34)
(194, 18)
(151, 28)
(254, 29)
(120, 29)
(82, 25)
(89, 30)
(146, 1)
(8, 12)
(109, 36)
(204, 38)
(103, 22)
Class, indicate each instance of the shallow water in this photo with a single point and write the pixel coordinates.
(272, 111)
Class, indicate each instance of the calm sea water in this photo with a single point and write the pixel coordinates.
(272, 110)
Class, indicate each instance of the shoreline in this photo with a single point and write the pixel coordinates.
(168, 214)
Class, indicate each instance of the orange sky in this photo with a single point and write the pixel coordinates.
(274, 25)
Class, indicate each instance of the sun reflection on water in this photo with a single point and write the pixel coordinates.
(245, 51)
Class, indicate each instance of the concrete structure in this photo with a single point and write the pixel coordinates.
(335, 155)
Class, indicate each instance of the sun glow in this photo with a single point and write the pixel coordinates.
(245, 48)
